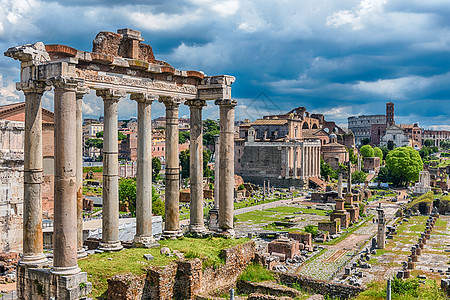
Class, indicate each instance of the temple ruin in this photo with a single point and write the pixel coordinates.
(119, 64)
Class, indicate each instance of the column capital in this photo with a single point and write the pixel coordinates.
(170, 102)
(195, 103)
(144, 98)
(226, 102)
(38, 87)
(63, 82)
(82, 90)
(111, 94)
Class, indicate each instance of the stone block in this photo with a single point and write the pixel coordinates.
(288, 247)
(149, 257)
(301, 237)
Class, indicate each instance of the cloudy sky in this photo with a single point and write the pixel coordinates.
(336, 57)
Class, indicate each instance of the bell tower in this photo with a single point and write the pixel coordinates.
(390, 114)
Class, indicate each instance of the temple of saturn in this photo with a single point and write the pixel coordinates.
(119, 64)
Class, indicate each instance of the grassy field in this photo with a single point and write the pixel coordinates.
(102, 266)
(275, 214)
(349, 231)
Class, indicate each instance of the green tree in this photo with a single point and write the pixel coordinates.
(424, 152)
(120, 136)
(353, 157)
(184, 161)
(444, 144)
(365, 141)
(384, 175)
(385, 151)
(326, 171)
(314, 230)
(378, 152)
(435, 149)
(404, 165)
(94, 143)
(207, 172)
(390, 145)
(156, 168)
(127, 193)
(359, 177)
(428, 143)
(183, 136)
(210, 129)
(367, 151)
(157, 204)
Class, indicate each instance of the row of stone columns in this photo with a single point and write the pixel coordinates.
(68, 241)
(309, 162)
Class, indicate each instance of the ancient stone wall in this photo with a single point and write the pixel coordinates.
(334, 290)
(183, 279)
(11, 185)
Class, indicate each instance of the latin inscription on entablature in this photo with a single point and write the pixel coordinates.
(128, 81)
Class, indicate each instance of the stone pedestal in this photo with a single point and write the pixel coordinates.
(406, 274)
(172, 197)
(110, 209)
(411, 265)
(42, 284)
(414, 258)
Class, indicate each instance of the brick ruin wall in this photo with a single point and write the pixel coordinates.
(183, 279)
(11, 185)
(333, 290)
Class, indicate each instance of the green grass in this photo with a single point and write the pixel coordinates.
(94, 169)
(428, 197)
(102, 266)
(274, 214)
(256, 273)
(403, 290)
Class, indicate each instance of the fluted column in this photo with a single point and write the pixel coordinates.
(81, 91)
(226, 164)
(65, 204)
(110, 207)
(172, 198)
(214, 212)
(33, 164)
(196, 224)
(144, 237)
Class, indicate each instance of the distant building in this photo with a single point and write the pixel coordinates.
(285, 149)
(12, 130)
(361, 126)
(395, 134)
(90, 129)
(437, 136)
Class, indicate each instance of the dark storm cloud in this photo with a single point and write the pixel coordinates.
(339, 57)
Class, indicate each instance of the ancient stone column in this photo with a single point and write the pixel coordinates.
(226, 164)
(287, 162)
(381, 234)
(110, 208)
(214, 212)
(349, 177)
(340, 185)
(81, 91)
(65, 204)
(144, 237)
(295, 161)
(172, 221)
(33, 164)
(196, 166)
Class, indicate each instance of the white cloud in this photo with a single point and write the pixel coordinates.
(367, 9)
(8, 92)
(439, 127)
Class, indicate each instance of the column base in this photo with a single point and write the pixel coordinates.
(65, 271)
(197, 228)
(171, 235)
(36, 283)
(34, 261)
(110, 246)
(81, 253)
(145, 242)
(229, 233)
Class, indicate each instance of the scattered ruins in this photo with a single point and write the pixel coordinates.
(119, 64)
